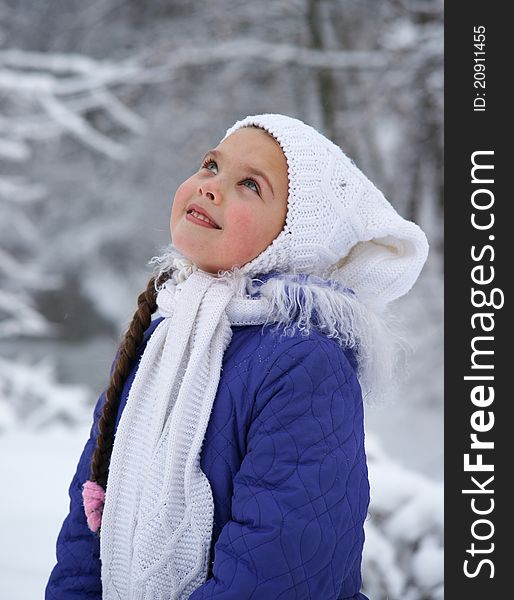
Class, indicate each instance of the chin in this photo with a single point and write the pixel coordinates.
(183, 243)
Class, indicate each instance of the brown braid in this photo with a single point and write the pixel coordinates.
(147, 305)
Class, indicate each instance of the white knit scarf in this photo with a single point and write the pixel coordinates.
(157, 522)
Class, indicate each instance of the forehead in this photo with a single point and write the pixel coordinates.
(252, 144)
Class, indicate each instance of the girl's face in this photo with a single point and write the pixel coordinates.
(242, 186)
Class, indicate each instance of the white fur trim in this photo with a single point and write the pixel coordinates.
(300, 302)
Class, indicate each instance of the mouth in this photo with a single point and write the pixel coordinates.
(198, 215)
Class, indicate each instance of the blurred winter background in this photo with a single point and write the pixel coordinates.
(106, 107)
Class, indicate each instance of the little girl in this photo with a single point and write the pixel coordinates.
(226, 458)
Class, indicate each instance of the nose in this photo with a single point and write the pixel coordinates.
(212, 188)
(210, 192)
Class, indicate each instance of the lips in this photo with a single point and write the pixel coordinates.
(203, 212)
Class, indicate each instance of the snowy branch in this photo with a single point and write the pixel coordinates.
(53, 82)
(20, 317)
(78, 126)
(32, 398)
(66, 86)
(403, 554)
(244, 49)
(18, 190)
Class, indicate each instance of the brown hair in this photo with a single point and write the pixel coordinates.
(132, 338)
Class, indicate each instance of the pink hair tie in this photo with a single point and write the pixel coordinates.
(94, 498)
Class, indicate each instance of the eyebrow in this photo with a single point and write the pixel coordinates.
(252, 170)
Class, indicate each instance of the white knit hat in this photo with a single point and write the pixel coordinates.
(338, 224)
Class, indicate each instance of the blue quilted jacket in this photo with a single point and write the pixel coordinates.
(284, 454)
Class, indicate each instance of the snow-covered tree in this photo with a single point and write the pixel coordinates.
(403, 552)
(43, 97)
(32, 399)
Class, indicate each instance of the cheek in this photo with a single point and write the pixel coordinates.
(245, 230)
(255, 222)
(181, 199)
(241, 218)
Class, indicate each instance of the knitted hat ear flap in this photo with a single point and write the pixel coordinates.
(363, 267)
(388, 251)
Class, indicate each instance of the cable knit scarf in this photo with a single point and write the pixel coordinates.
(157, 520)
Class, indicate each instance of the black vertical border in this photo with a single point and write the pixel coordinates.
(467, 131)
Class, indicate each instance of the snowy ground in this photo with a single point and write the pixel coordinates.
(39, 468)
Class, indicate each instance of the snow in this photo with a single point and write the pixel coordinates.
(428, 564)
(39, 467)
(32, 399)
(403, 551)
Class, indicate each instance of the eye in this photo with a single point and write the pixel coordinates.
(210, 161)
(256, 188)
(207, 162)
